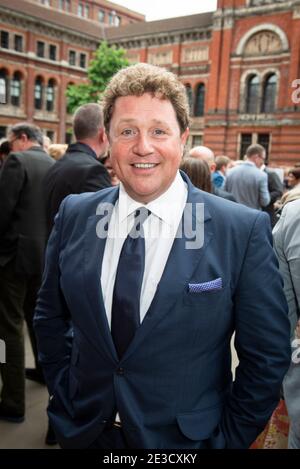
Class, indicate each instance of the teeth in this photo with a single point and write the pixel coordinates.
(144, 165)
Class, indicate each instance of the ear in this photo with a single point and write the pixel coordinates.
(184, 137)
(104, 138)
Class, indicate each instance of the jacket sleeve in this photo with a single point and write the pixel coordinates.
(97, 178)
(12, 178)
(287, 247)
(52, 322)
(264, 195)
(261, 340)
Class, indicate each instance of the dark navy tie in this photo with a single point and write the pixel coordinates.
(125, 314)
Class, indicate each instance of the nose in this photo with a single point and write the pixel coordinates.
(143, 146)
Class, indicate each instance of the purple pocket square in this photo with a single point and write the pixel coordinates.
(206, 286)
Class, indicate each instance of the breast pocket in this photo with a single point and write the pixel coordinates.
(209, 312)
(213, 298)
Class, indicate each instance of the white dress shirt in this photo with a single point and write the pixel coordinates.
(159, 228)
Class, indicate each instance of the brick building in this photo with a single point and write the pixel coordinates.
(240, 65)
(45, 46)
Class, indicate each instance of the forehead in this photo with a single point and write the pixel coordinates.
(143, 107)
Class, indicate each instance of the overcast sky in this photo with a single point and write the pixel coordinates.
(159, 9)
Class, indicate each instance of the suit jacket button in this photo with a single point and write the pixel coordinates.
(120, 371)
(104, 421)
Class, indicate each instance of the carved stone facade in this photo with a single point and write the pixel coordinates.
(264, 42)
(133, 57)
(160, 58)
(195, 54)
(265, 2)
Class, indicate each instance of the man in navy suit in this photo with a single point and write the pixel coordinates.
(145, 285)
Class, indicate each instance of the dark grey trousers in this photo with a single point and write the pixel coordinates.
(17, 301)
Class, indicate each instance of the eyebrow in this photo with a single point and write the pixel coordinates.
(154, 121)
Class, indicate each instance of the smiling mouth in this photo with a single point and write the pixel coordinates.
(144, 165)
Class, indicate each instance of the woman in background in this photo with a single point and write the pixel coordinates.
(293, 178)
(198, 172)
(57, 150)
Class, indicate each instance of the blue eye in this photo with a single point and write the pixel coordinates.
(159, 132)
(127, 132)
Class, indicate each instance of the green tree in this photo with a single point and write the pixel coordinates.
(106, 62)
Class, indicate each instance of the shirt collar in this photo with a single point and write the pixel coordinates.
(166, 206)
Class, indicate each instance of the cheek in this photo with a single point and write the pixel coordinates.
(118, 160)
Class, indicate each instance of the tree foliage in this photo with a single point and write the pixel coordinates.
(106, 62)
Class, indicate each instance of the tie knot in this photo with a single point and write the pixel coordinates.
(140, 216)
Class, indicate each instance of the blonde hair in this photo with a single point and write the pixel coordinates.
(290, 196)
(141, 78)
(57, 150)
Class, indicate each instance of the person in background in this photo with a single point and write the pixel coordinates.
(80, 169)
(206, 154)
(293, 178)
(247, 183)
(198, 172)
(4, 151)
(219, 175)
(275, 188)
(23, 236)
(46, 142)
(57, 150)
(286, 235)
(134, 327)
(113, 177)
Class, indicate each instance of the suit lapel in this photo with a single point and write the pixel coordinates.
(94, 246)
(180, 266)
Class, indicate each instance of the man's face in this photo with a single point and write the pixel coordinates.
(260, 159)
(18, 143)
(145, 145)
(15, 143)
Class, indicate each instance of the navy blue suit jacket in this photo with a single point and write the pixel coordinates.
(173, 388)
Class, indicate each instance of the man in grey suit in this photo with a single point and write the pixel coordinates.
(247, 183)
(23, 233)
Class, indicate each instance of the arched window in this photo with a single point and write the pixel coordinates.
(38, 93)
(3, 87)
(200, 98)
(189, 94)
(269, 94)
(15, 89)
(50, 95)
(252, 95)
